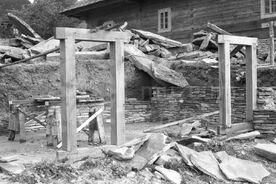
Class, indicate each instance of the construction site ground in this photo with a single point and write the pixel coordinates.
(99, 168)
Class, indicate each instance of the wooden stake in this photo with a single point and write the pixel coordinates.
(21, 120)
(117, 93)
(271, 38)
(251, 81)
(225, 84)
(68, 93)
(100, 126)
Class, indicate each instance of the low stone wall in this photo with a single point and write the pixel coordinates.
(136, 111)
(265, 121)
(171, 104)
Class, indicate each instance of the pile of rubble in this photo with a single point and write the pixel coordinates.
(152, 53)
(156, 151)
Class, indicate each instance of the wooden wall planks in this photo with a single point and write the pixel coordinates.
(238, 17)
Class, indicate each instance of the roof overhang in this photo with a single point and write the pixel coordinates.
(79, 9)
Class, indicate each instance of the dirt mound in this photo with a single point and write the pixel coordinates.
(26, 81)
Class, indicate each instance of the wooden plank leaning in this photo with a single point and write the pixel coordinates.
(181, 121)
(86, 123)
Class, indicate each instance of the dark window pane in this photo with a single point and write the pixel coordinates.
(162, 20)
(267, 6)
(273, 6)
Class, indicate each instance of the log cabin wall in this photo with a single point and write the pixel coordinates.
(188, 16)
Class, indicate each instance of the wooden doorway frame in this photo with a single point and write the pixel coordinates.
(67, 37)
(224, 42)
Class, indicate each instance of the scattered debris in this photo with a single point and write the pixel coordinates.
(161, 74)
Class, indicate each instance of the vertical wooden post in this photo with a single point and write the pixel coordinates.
(21, 122)
(100, 126)
(58, 122)
(251, 81)
(225, 84)
(117, 93)
(271, 38)
(68, 93)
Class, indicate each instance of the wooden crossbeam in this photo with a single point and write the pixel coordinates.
(91, 35)
(33, 118)
(237, 40)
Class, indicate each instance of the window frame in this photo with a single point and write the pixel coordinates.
(164, 11)
(263, 13)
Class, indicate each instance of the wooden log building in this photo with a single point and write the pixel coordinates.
(178, 19)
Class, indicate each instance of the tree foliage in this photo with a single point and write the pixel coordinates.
(6, 5)
(44, 15)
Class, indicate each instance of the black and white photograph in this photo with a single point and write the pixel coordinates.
(137, 92)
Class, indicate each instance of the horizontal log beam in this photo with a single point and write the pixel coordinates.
(91, 35)
(237, 40)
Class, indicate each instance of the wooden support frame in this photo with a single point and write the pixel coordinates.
(67, 37)
(224, 42)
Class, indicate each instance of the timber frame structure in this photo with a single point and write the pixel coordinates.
(224, 42)
(67, 37)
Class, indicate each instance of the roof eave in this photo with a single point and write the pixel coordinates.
(76, 12)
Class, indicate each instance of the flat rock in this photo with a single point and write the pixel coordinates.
(123, 153)
(186, 153)
(161, 74)
(170, 175)
(13, 52)
(158, 39)
(241, 170)
(207, 163)
(12, 168)
(45, 45)
(267, 151)
(22, 26)
(149, 151)
(9, 159)
(186, 129)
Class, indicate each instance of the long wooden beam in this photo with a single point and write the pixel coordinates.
(91, 35)
(181, 121)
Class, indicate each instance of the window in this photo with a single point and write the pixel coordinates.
(164, 20)
(268, 8)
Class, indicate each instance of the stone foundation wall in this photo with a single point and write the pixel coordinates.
(171, 104)
(136, 111)
(265, 121)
